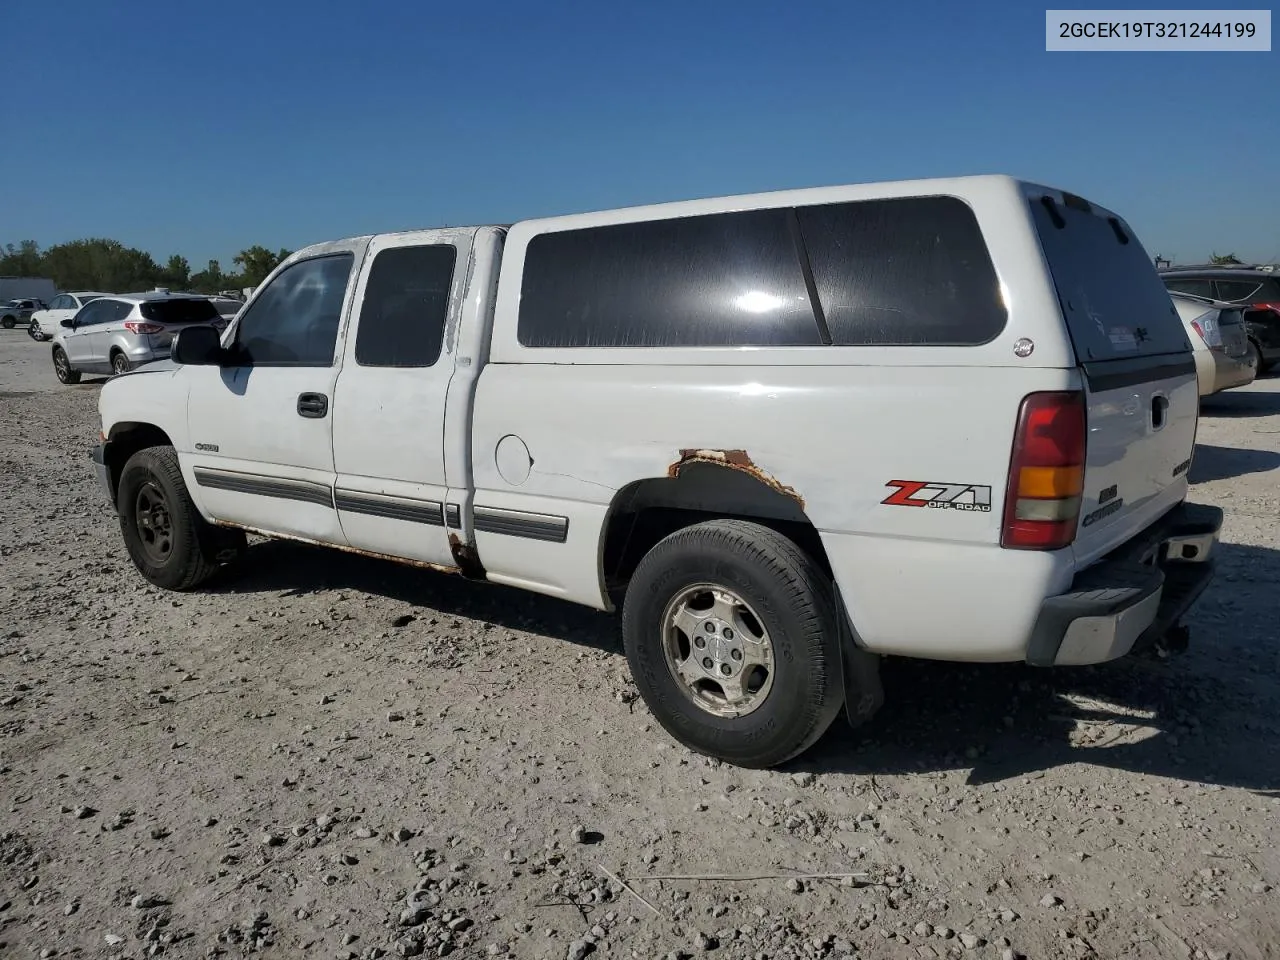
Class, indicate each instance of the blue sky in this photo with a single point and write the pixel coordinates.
(201, 129)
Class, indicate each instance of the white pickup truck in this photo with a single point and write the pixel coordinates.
(788, 434)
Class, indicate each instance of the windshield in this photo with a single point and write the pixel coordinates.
(1112, 298)
(179, 311)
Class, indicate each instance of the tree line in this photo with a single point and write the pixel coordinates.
(108, 265)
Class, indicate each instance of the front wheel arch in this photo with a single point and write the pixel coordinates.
(126, 439)
(71, 375)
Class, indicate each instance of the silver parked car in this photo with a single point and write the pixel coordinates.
(116, 333)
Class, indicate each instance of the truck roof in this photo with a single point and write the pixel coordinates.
(771, 198)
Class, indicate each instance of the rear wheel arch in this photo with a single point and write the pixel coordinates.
(646, 511)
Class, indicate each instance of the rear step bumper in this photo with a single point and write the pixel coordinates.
(1131, 597)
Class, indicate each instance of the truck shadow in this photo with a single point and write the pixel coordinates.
(297, 569)
(1241, 403)
(1223, 463)
(1209, 716)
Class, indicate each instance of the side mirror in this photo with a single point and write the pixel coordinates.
(198, 346)
(69, 323)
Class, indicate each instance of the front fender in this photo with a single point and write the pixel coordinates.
(154, 395)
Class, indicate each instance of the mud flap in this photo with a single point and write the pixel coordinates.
(859, 671)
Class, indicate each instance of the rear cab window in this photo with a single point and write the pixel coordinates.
(406, 303)
(903, 271)
(720, 280)
(1112, 298)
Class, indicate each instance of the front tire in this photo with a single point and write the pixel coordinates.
(8, 323)
(169, 542)
(731, 634)
(62, 367)
(33, 331)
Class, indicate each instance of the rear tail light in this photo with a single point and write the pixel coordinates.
(136, 326)
(1210, 332)
(1046, 472)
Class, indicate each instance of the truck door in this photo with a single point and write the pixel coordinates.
(261, 425)
(389, 435)
(78, 340)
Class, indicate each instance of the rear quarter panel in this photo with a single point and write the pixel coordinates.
(918, 581)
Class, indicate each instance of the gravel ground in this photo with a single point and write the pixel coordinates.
(336, 757)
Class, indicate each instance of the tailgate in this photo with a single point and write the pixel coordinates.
(1142, 430)
(1139, 374)
(1235, 342)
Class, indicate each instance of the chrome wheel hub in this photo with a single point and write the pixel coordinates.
(717, 650)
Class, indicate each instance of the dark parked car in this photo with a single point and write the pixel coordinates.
(1256, 290)
(14, 312)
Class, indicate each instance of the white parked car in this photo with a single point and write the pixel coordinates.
(45, 323)
(787, 434)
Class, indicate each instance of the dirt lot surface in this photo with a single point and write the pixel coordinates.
(335, 757)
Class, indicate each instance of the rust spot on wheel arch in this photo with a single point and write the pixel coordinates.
(738, 460)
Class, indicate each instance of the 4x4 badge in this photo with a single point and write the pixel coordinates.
(941, 496)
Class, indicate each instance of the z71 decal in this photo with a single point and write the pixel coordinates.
(941, 496)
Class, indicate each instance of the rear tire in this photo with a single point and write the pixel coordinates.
(169, 542)
(120, 363)
(62, 367)
(771, 590)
